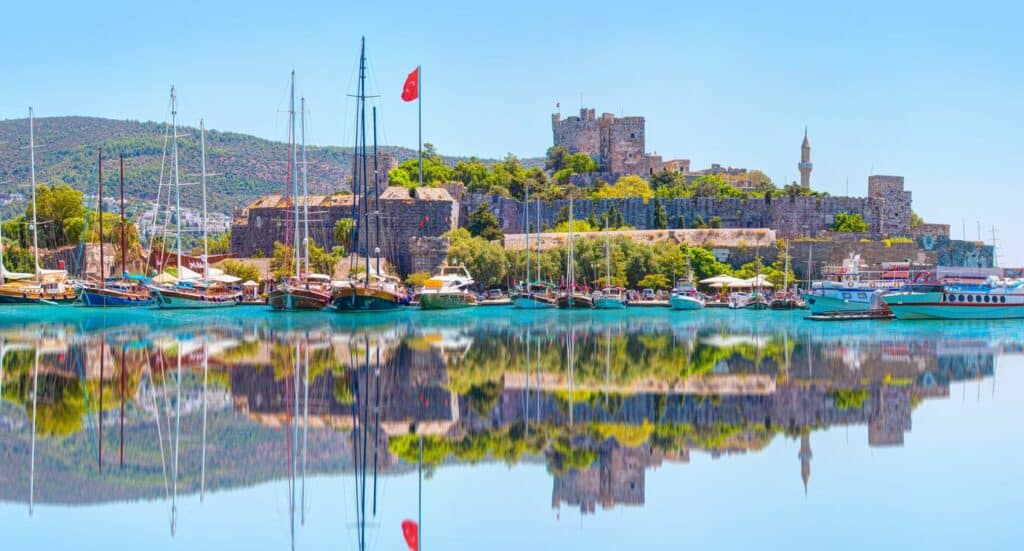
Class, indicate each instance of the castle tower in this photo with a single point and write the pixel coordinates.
(805, 458)
(805, 164)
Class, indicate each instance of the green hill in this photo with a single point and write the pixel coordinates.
(246, 166)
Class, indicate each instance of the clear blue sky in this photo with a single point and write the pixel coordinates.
(926, 91)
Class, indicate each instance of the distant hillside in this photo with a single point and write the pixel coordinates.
(246, 166)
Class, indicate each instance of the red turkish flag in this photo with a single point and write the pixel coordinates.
(411, 90)
(411, 533)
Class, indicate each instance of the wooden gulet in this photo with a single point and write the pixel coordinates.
(304, 290)
(191, 293)
(121, 292)
(376, 292)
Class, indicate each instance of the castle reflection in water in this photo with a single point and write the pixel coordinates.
(600, 400)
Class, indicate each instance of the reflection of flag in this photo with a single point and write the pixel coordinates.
(411, 90)
(411, 533)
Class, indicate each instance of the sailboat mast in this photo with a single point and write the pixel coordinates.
(3, 270)
(607, 255)
(305, 189)
(570, 273)
(292, 173)
(362, 152)
(177, 180)
(202, 178)
(376, 193)
(526, 221)
(124, 263)
(32, 172)
(99, 169)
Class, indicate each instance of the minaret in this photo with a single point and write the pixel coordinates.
(805, 457)
(805, 165)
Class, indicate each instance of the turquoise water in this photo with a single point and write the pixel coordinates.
(244, 429)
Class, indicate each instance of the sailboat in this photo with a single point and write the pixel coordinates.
(191, 290)
(121, 292)
(571, 298)
(784, 299)
(533, 295)
(374, 291)
(44, 286)
(309, 291)
(610, 297)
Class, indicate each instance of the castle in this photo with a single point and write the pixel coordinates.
(413, 224)
(617, 144)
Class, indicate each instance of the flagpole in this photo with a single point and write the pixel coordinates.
(419, 108)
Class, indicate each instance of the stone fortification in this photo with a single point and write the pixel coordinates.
(886, 209)
(430, 212)
(618, 144)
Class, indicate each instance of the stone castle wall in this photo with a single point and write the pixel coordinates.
(403, 217)
(887, 212)
(618, 144)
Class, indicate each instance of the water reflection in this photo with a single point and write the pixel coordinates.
(98, 410)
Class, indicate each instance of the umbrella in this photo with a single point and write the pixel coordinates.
(250, 283)
(759, 281)
(726, 279)
(165, 277)
(741, 284)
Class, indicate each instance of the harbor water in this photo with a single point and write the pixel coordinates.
(496, 428)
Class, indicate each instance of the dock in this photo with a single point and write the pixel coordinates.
(648, 304)
(504, 301)
(851, 316)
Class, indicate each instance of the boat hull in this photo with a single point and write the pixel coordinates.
(685, 303)
(446, 301)
(575, 301)
(174, 300)
(289, 300)
(533, 302)
(17, 296)
(921, 306)
(362, 299)
(609, 303)
(819, 304)
(110, 298)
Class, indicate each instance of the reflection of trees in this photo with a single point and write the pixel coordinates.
(606, 359)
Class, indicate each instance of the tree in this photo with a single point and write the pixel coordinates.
(556, 158)
(482, 222)
(846, 222)
(484, 259)
(55, 205)
(343, 232)
(322, 261)
(417, 279)
(237, 268)
(915, 220)
(713, 186)
(654, 281)
(407, 174)
(660, 216)
(627, 186)
(219, 244)
(283, 262)
(472, 173)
